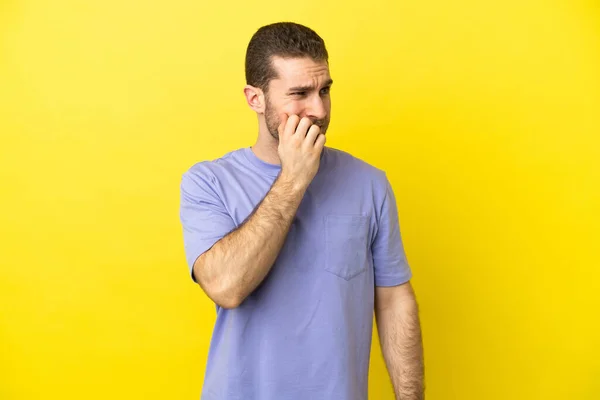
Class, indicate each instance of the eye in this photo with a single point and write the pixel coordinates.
(298, 93)
(325, 90)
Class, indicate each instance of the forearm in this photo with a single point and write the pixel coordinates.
(237, 263)
(402, 348)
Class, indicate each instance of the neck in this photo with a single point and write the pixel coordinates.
(266, 146)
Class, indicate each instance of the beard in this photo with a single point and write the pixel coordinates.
(273, 121)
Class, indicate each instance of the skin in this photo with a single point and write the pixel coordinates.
(397, 316)
(293, 117)
(301, 89)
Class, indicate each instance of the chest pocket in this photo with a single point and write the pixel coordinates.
(346, 245)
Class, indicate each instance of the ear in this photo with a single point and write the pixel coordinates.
(255, 98)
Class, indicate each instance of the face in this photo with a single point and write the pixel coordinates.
(301, 88)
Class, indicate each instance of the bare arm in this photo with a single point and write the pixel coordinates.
(399, 330)
(235, 265)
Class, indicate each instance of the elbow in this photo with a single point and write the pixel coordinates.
(228, 303)
(219, 291)
(223, 297)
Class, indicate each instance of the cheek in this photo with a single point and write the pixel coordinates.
(294, 110)
(292, 107)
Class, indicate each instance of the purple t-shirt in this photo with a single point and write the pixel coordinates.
(305, 332)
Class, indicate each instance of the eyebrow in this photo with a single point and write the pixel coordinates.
(309, 87)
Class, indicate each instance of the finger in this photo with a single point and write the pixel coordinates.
(303, 127)
(320, 142)
(291, 125)
(283, 118)
(312, 135)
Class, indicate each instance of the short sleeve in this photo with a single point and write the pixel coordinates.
(389, 258)
(203, 216)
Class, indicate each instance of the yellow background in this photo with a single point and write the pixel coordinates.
(486, 116)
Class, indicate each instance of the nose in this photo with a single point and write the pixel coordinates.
(316, 108)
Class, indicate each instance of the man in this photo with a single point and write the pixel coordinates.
(298, 244)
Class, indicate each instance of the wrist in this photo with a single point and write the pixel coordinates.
(291, 184)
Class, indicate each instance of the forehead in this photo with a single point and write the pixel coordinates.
(300, 71)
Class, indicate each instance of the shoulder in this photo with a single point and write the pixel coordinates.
(210, 169)
(356, 168)
(208, 172)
